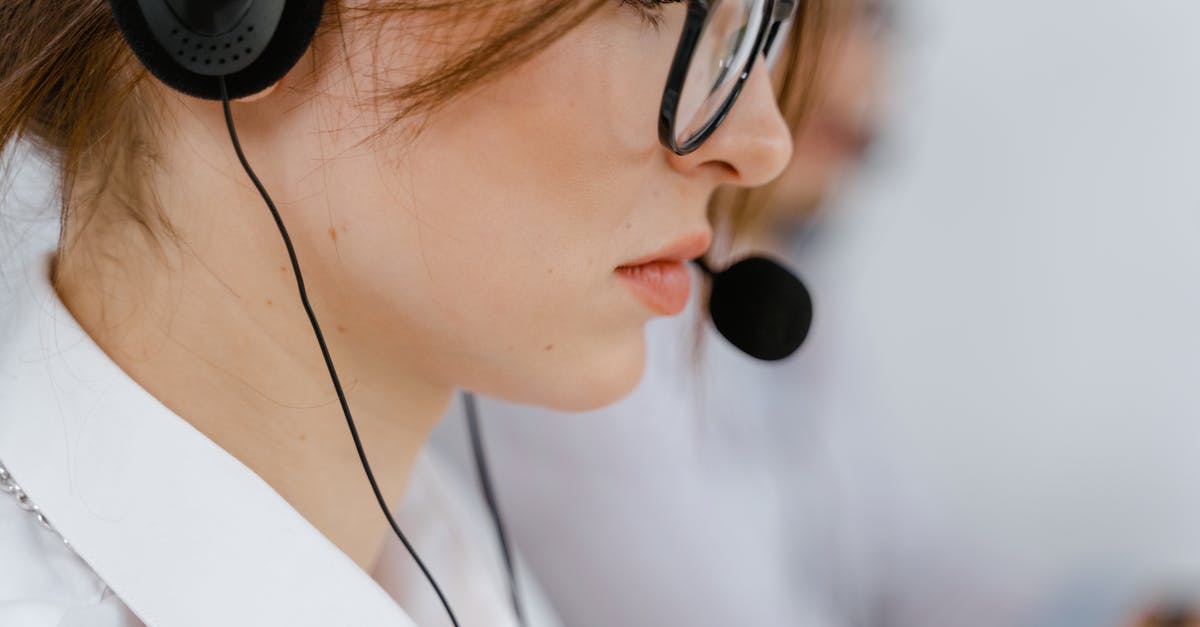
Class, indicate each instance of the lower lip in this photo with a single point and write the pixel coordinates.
(663, 286)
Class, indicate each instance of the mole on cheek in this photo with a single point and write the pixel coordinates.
(549, 347)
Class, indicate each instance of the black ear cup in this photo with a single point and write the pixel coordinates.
(186, 44)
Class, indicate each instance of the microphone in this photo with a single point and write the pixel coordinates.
(759, 307)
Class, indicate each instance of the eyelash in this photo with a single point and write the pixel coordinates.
(650, 10)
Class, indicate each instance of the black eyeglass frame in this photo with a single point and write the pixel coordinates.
(777, 12)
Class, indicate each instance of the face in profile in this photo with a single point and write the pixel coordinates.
(479, 245)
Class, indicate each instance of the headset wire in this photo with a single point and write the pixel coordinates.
(489, 495)
(312, 318)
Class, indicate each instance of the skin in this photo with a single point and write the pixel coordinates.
(480, 254)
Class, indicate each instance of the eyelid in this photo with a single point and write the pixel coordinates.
(650, 10)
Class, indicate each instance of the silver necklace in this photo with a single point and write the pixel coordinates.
(9, 485)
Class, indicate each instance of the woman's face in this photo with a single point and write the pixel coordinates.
(484, 252)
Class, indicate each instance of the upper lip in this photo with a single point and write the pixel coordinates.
(688, 247)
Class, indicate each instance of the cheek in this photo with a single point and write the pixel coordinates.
(542, 166)
(488, 251)
(493, 235)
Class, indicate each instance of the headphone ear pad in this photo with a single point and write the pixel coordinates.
(297, 25)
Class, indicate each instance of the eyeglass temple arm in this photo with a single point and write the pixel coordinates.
(784, 11)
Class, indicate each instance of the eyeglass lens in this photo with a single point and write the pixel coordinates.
(722, 53)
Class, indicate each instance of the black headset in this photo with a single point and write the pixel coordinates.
(189, 44)
(227, 49)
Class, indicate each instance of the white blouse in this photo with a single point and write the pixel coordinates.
(167, 529)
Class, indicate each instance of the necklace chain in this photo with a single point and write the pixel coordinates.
(9, 485)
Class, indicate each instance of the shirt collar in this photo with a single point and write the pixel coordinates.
(182, 531)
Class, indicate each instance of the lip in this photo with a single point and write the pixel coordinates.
(662, 280)
(686, 248)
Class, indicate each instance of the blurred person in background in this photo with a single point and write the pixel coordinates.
(842, 120)
(716, 495)
(1182, 616)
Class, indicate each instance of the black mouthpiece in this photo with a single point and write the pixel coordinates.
(760, 307)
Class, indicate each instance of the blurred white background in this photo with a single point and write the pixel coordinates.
(28, 215)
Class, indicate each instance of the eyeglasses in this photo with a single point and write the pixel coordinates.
(721, 41)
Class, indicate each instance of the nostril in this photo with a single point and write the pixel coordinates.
(729, 172)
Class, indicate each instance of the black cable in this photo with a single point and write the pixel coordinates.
(312, 318)
(485, 482)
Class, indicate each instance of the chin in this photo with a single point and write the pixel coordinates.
(593, 380)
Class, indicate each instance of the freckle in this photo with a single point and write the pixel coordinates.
(283, 268)
(333, 234)
(269, 303)
(549, 347)
(628, 226)
(341, 329)
(303, 438)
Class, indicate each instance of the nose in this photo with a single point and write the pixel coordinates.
(751, 147)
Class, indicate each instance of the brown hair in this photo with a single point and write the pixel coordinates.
(70, 86)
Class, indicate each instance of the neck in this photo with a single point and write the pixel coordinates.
(219, 336)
